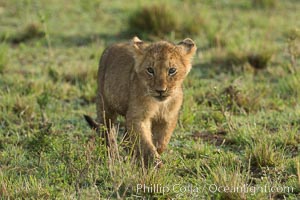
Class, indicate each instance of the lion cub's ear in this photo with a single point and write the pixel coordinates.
(137, 44)
(188, 47)
(137, 48)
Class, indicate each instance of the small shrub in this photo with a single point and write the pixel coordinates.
(264, 154)
(233, 99)
(159, 20)
(156, 20)
(31, 31)
(237, 99)
(53, 74)
(43, 100)
(259, 60)
(235, 58)
(292, 34)
(231, 177)
(230, 58)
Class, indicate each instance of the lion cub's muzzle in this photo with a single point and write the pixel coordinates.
(161, 94)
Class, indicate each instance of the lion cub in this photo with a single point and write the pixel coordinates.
(143, 83)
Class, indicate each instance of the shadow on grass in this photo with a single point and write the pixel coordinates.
(87, 39)
(75, 40)
(208, 70)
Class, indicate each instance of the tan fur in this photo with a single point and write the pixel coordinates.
(126, 88)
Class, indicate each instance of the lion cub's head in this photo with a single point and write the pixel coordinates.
(162, 66)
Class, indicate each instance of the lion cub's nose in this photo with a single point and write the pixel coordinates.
(161, 91)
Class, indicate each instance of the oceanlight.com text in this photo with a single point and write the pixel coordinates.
(212, 188)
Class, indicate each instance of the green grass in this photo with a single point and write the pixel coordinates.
(3, 57)
(239, 124)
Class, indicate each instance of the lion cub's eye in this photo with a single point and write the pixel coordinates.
(172, 71)
(150, 71)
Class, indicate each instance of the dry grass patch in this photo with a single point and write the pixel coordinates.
(264, 154)
(228, 179)
(160, 20)
(155, 20)
(264, 3)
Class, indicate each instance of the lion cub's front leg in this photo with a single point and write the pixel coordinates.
(141, 136)
(162, 132)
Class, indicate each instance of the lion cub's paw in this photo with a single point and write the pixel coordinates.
(158, 163)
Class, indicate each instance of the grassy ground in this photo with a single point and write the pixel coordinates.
(239, 125)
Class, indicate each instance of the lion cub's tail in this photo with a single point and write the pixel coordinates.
(92, 123)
